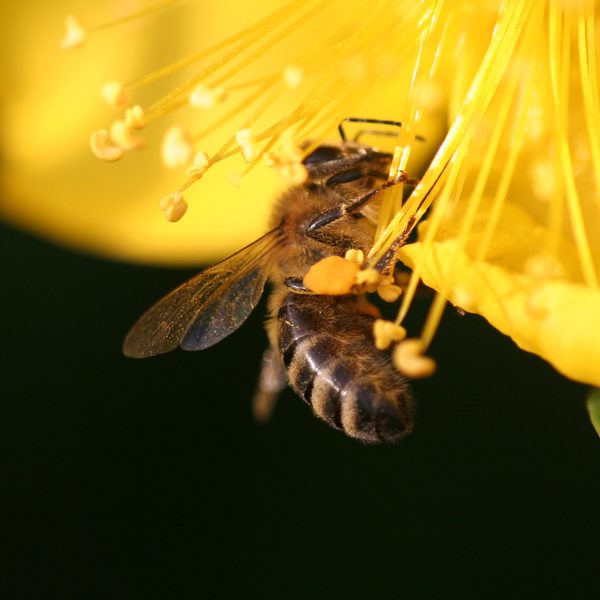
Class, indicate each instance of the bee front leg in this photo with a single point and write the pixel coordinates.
(385, 264)
(335, 214)
(271, 381)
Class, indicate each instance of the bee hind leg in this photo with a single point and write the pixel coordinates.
(272, 381)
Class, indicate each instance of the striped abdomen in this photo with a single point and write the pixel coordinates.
(327, 346)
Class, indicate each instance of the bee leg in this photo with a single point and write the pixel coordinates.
(271, 381)
(385, 264)
(335, 214)
(296, 285)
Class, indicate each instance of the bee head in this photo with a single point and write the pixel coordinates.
(340, 163)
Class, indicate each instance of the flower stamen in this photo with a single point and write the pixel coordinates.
(177, 148)
(103, 147)
(114, 94)
(409, 358)
(174, 206)
(75, 34)
(387, 332)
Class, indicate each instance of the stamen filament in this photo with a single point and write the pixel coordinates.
(508, 169)
(134, 16)
(589, 86)
(185, 61)
(513, 15)
(559, 76)
(178, 97)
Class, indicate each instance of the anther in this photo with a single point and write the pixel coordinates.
(356, 256)
(369, 279)
(75, 34)
(124, 137)
(387, 290)
(103, 147)
(174, 206)
(135, 117)
(200, 163)
(386, 332)
(246, 141)
(177, 148)
(204, 97)
(287, 160)
(295, 173)
(410, 360)
(114, 94)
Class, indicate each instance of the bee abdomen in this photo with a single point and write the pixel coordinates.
(334, 366)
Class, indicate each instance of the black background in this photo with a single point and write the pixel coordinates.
(139, 479)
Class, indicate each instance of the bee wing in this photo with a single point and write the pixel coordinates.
(207, 307)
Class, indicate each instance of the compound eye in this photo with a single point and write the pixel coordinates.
(323, 154)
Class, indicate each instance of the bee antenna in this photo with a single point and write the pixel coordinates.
(374, 131)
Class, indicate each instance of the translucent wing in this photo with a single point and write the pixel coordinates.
(207, 307)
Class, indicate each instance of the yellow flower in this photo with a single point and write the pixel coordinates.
(509, 206)
(515, 231)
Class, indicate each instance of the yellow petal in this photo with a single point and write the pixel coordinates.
(542, 312)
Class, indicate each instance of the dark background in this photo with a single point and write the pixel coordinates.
(149, 479)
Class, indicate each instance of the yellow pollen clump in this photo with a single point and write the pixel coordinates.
(410, 360)
(356, 256)
(205, 97)
(177, 148)
(369, 279)
(245, 139)
(386, 332)
(174, 206)
(103, 147)
(387, 290)
(75, 34)
(114, 94)
(332, 276)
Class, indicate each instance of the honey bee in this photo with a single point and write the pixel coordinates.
(321, 345)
